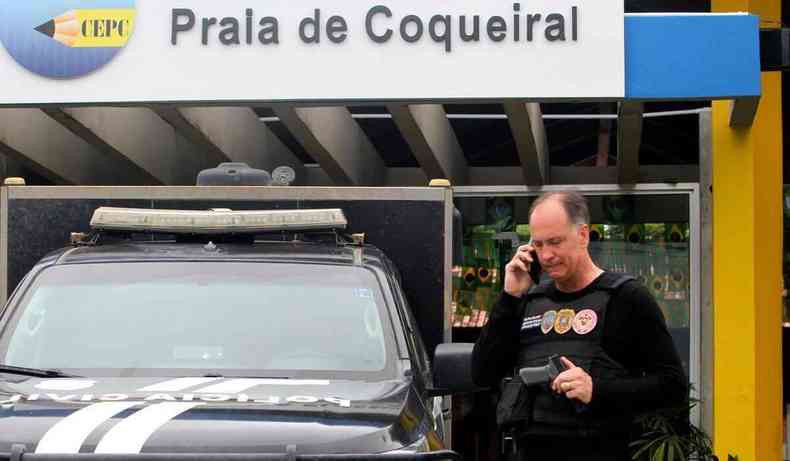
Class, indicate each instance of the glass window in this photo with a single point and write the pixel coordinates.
(644, 235)
(210, 316)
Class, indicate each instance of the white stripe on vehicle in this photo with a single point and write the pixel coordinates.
(235, 386)
(68, 434)
(129, 435)
(178, 384)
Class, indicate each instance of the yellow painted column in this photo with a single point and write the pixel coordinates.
(747, 272)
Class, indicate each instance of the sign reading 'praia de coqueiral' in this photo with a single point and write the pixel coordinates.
(111, 51)
(379, 27)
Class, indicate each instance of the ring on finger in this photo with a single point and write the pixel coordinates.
(565, 386)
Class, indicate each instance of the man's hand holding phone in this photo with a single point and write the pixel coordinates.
(521, 269)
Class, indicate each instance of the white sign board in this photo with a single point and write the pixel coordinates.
(127, 51)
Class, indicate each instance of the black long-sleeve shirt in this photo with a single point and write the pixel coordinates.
(635, 335)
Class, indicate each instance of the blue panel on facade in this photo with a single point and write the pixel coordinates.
(694, 56)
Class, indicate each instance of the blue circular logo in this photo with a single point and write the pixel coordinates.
(65, 38)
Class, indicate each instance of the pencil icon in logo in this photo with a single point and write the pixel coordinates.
(94, 28)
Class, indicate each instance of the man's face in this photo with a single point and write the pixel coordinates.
(560, 245)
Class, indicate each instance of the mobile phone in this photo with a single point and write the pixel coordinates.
(534, 267)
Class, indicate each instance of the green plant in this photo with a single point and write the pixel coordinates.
(667, 435)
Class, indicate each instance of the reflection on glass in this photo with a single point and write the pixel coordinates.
(657, 254)
(275, 316)
(646, 236)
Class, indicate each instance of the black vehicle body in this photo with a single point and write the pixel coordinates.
(348, 415)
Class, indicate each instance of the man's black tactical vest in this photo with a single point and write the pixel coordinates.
(575, 330)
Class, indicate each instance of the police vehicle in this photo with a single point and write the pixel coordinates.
(206, 334)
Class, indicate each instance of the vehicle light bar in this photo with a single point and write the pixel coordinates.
(220, 221)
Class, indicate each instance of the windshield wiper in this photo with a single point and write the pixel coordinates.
(37, 372)
(220, 375)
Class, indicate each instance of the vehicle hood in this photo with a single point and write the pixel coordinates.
(208, 415)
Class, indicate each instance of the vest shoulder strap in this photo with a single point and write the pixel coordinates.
(611, 281)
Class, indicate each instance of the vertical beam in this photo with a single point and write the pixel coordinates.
(604, 135)
(706, 391)
(747, 279)
(428, 132)
(231, 134)
(629, 141)
(743, 111)
(336, 142)
(529, 134)
(747, 181)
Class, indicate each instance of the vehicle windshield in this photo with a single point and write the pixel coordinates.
(225, 318)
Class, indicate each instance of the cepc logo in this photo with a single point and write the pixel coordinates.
(65, 38)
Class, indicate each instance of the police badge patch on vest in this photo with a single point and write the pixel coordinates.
(547, 324)
(585, 321)
(564, 321)
(582, 322)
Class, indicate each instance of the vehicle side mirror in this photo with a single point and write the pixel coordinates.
(452, 369)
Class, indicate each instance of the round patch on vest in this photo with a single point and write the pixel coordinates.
(564, 321)
(547, 324)
(585, 321)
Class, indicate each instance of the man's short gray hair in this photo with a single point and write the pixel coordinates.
(574, 204)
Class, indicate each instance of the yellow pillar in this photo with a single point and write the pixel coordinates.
(747, 272)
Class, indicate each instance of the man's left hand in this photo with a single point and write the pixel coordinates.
(574, 382)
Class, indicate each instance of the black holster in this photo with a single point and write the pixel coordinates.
(514, 407)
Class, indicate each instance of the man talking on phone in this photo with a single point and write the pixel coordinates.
(602, 334)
